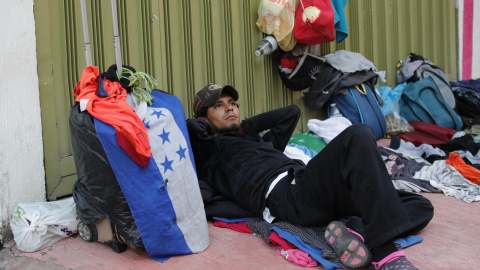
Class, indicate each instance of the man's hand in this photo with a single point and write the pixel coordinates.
(200, 127)
(384, 142)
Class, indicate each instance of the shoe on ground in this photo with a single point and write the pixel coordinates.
(348, 245)
(396, 261)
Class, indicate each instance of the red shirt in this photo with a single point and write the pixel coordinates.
(114, 110)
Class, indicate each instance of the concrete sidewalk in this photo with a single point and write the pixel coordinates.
(450, 242)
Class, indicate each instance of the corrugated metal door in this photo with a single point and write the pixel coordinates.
(186, 44)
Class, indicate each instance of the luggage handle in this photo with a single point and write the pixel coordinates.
(116, 37)
(86, 38)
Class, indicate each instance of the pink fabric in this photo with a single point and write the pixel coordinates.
(467, 49)
(389, 258)
(297, 256)
(357, 234)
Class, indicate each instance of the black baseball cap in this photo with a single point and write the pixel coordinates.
(209, 95)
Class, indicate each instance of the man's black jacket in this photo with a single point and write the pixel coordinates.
(241, 166)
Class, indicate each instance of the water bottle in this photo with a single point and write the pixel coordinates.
(266, 46)
(334, 111)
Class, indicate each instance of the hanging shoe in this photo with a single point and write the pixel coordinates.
(395, 261)
(348, 245)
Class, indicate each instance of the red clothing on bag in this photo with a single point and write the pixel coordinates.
(114, 110)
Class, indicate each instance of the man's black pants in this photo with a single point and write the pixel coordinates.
(348, 178)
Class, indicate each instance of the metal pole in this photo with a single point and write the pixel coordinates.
(116, 39)
(88, 52)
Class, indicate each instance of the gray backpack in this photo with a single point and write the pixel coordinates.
(415, 68)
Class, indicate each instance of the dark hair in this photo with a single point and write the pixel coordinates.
(201, 113)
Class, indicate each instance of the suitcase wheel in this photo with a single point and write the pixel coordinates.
(87, 232)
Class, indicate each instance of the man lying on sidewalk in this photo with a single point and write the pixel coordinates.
(347, 178)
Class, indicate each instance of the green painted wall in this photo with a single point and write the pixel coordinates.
(186, 44)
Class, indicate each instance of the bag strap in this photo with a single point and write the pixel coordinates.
(356, 105)
(362, 91)
(406, 99)
(446, 106)
(422, 73)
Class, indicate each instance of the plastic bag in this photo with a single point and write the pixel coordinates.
(314, 22)
(40, 224)
(96, 192)
(277, 18)
(396, 124)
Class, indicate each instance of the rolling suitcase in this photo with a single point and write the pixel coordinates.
(95, 220)
(152, 203)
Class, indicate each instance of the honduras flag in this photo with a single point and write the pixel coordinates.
(164, 197)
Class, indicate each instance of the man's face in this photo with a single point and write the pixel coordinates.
(224, 115)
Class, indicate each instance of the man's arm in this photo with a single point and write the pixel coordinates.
(202, 136)
(281, 124)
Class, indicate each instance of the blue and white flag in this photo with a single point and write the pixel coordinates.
(164, 197)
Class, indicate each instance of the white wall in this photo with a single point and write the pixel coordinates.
(22, 176)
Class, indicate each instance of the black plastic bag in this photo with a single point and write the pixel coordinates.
(97, 193)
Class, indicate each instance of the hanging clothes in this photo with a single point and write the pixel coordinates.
(114, 110)
(340, 19)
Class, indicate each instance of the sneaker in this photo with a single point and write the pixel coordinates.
(348, 245)
(395, 261)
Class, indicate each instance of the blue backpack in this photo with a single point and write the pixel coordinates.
(359, 105)
(422, 101)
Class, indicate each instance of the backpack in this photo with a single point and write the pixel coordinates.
(359, 105)
(415, 68)
(422, 101)
(467, 98)
(298, 73)
(330, 81)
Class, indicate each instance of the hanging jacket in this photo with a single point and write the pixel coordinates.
(340, 70)
(114, 110)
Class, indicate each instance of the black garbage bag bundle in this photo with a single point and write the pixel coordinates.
(97, 193)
